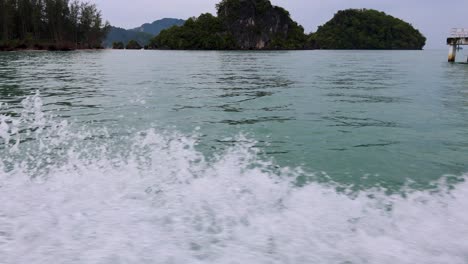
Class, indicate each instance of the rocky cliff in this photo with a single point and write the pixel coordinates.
(240, 24)
(257, 24)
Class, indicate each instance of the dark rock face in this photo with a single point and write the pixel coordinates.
(257, 24)
(132, 44)
(118, 45)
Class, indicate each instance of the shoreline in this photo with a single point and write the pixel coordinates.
(59, 47)
(259, 50)
(16, 45)
(46, 50)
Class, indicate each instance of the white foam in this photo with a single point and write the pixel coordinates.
(162, 201)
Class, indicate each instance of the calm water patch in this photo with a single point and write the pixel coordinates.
(363, 117)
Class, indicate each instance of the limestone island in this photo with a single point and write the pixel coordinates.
(366, 29)
(259, 25)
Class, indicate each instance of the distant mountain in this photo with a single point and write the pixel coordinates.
(142, 34)
(159, 25)
(117, 34)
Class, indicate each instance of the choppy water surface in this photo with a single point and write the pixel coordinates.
(233, 157)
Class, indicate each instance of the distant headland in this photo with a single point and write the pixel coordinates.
(239, 25)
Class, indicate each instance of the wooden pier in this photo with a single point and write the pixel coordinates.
(458, 37)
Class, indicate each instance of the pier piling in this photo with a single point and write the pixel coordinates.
(452, 53)
(458, 36)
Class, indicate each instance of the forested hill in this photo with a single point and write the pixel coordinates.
(239, 24)
(124, 35)
(366, 29)
(142, 34)
(257, 24)
(157, 26)
(50, 24)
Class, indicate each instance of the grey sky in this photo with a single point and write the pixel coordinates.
(434, 18)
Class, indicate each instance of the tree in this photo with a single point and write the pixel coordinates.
(75, 13)
(133, 44)
(7, 14)
(3, 21)
(36, 18)
(118, 45)
(56, 23)
(239, 25)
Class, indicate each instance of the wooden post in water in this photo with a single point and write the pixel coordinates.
(452, 53)
(458, 36)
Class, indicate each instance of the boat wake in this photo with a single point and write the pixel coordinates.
(73, 195)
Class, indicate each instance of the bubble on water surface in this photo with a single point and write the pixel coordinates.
(68, 199)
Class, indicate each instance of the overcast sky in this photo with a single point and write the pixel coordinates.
(434, 18)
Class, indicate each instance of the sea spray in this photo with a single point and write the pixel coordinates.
(68, 199)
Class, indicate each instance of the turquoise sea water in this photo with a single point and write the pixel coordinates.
(233, 157)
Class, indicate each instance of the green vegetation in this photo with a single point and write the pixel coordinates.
(229, 31)
(204, 32)
(123, 35)
(366, 29)
(295, 39)
(159, 25)
(133, 44)
(239, 24)
(142, 34)
(50, 24)
(118, 45)
(257, 24)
